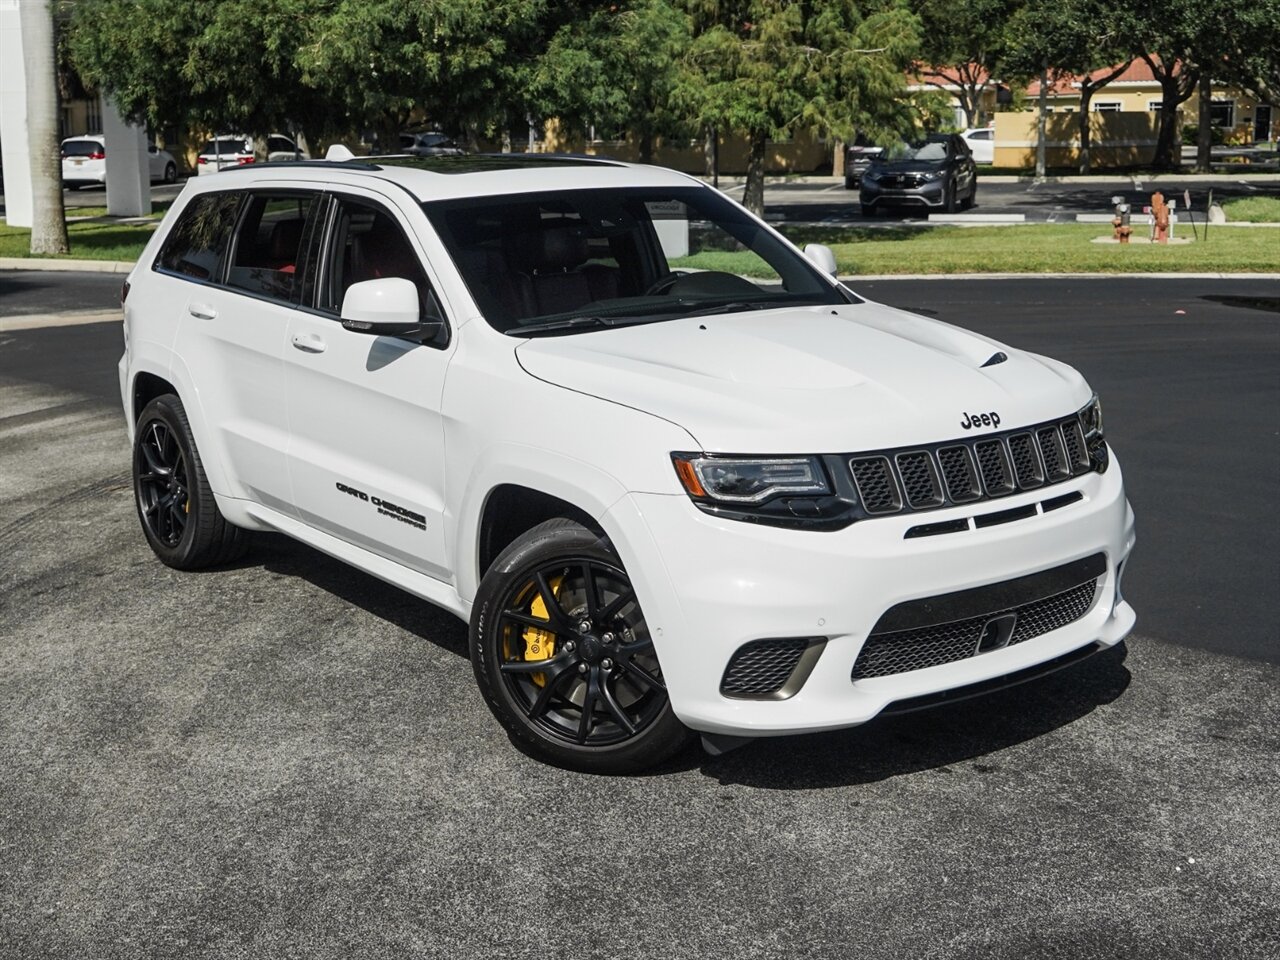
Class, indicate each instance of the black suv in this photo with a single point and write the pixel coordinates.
(936, 172)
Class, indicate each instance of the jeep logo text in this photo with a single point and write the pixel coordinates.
(972, 420)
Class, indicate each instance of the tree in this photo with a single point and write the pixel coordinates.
(768, 68)
(613, 68)
(226, 66)
(962, 47)
(1088, 40)
(48, 218)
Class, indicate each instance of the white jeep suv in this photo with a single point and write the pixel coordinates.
(675, 475)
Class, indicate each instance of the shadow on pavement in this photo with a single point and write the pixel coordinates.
(931, 739)
(278, 554)
(1268, 304)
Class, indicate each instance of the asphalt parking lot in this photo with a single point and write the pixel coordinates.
(289, 759)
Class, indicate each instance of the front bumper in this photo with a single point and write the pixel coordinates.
(708, 585)
(932, 194)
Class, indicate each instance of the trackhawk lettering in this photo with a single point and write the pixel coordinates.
(972, 420)
(386, 507)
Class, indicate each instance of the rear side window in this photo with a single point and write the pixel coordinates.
(227, 147)
(195, 246)
(268, 248)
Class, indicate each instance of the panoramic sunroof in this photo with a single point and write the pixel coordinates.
(486, 162)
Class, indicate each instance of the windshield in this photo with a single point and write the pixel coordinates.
(584, 259)
(212, 147)
(926, 150)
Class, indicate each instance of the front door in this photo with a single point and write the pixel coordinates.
(366, 451)
(1261, 123)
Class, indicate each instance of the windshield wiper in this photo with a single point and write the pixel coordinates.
(739, 306)
(568, 323)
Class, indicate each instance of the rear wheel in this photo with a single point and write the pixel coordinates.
(170, 173)
(175, 503)
(564, 658)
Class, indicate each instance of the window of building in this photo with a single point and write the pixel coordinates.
(1222, 113)
(268, 254)
(1107, 106)
(1155, 106)
(93, 115)
(196, 245)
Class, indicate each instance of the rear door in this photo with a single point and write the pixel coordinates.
(367, 440)
(235, 304)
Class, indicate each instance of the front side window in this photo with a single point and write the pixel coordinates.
(195, 246)
(368, 244)
(268, 249)
(607, 257)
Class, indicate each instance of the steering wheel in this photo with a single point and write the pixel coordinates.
(663, 284)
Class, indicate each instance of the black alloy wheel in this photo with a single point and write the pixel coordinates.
(176, 505)
(564, 657)
(164, 503)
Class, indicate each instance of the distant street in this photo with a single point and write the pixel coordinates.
(830, 202)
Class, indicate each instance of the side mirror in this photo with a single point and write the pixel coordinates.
(385, 308)
(820, 255)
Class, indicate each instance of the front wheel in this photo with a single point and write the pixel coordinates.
(949, 199)
(564, 658)
(170, 173)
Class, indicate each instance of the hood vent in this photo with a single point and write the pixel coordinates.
(998, 357)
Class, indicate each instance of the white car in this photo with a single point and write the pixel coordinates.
(84, 162)
(236, 150)
(982, 144)
(666, 498)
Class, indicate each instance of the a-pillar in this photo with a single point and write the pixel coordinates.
(13, 118)
(128, 169)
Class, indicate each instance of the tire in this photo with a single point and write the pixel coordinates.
(949, 199)
(850, 183)
(193, 534)
(542, 578)
(971, 198)
(170, 173)
(869, 210)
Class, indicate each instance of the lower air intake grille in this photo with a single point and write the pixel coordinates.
(889, 652)
(761, 668)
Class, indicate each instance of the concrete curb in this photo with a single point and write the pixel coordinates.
(79, 266)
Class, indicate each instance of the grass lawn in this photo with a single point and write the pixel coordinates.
(1031, 248)
(1253, 209)
(89, 241)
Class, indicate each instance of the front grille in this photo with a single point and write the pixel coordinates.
(922, 645)
(876, 486)
(760, 668)
(959, 471)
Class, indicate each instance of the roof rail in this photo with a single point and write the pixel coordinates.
(306, 164)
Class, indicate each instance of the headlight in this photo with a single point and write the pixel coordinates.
(749, 480)
(1091, 420)
(935, 174)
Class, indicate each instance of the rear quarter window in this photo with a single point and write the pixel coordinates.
(200, 238)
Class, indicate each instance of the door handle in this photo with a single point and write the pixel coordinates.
(308, 342)
(201, 311)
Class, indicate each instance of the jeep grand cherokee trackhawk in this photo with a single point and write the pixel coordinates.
(675, 475)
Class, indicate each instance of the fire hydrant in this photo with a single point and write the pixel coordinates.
(1159, 218)
(1121, 220)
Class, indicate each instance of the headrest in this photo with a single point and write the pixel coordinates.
(561, 248)
(286, 237)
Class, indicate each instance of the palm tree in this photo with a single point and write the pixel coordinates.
(48, 219)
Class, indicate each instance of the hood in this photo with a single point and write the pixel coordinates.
(810, 379)
(881, 165)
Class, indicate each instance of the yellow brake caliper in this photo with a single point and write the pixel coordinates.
(541, 644)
